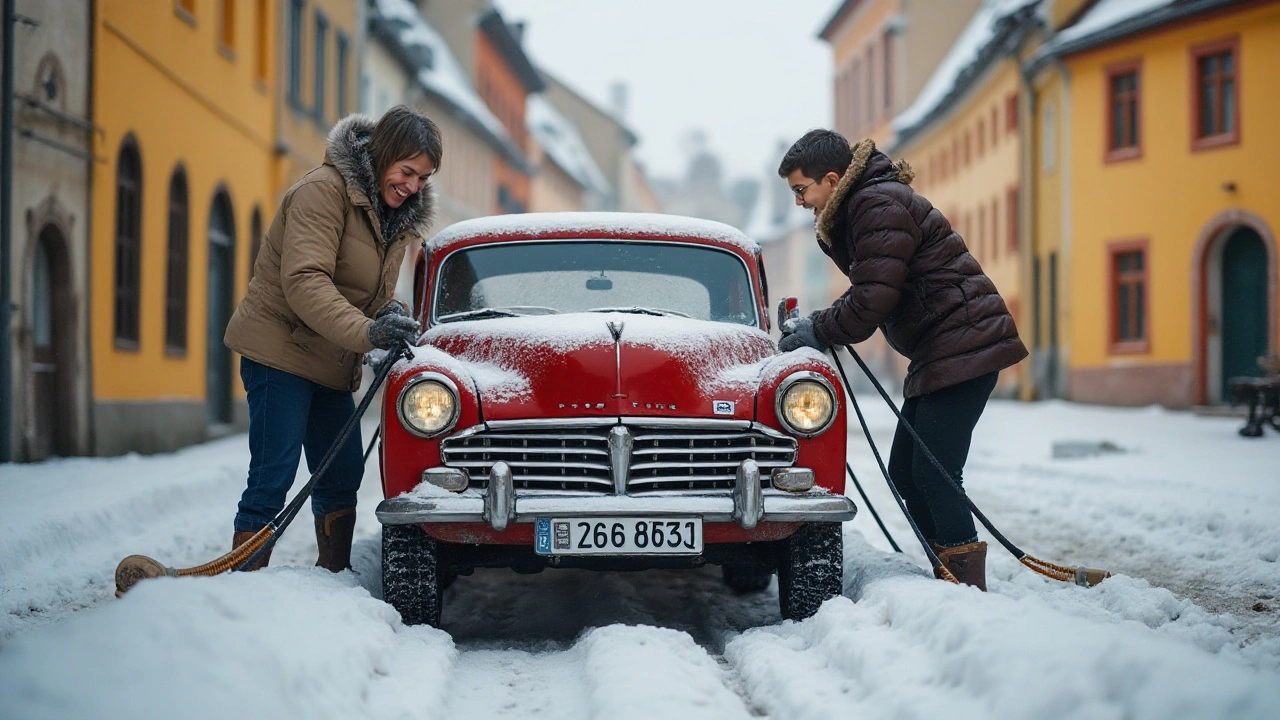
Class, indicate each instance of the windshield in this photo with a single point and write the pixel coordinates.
(542, 278)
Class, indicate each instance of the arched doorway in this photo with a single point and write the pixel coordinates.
(222, 278)
(1235, 286)
(49, 372)
(1243, 316)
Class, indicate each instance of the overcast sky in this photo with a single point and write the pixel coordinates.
(747, 72)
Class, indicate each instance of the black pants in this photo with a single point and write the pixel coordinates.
(944, 419)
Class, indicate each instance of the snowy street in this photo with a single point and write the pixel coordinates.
(1183, 510)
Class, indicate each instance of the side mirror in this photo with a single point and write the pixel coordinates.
(788, 309)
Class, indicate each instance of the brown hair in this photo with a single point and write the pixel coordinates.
(403, 132)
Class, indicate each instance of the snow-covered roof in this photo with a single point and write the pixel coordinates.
(443, 75)
(562, 142)
(642, 224)
(962, 63)
(1111, 19)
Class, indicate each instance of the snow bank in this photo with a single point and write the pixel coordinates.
(911, 647)
(606, 223)
(283, 643)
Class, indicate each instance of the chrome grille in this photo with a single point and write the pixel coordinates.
(695, 456)
(543, 458)
(703, 458)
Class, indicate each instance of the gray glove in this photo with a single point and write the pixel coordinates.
(395, 307)
(392, 330)
(799, 333)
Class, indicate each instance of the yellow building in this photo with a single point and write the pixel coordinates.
(184, 94)
(961, 137)
(1155, 172)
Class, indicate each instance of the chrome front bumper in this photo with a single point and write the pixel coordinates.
(499, 505)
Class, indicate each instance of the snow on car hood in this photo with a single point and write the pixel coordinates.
(569, 365)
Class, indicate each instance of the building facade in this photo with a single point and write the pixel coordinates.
(52, 144)
(1155, 201)
(184, 95)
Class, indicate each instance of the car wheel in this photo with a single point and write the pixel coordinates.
(746, 578)
(810, 569)
(411, 574)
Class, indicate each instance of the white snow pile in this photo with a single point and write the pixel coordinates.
(560, 139)
(607, 224)
(445, 76)
(963, 54)
(1101, 16)
(293, 642)
(494, 382)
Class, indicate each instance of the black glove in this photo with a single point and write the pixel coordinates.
(391, 330)
(395, 307)
(799, 333)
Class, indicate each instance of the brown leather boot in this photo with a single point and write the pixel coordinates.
(242, 538)
(333, 538)
(967, 562)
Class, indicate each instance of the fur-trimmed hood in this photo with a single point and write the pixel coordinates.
(865, 157)
(348, 152)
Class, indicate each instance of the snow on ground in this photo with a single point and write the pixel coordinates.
(1184, 510)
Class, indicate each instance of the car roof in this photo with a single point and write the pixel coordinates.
(631, 226)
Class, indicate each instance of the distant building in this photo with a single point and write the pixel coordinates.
(1155, 173)
(50, 381)
(568, 178)
(185, 98)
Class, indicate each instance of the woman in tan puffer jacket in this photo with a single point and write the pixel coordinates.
(321, 297)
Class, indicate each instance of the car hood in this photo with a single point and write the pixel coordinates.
(608, 364)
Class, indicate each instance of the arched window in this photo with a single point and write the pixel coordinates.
(175, 285)
(255, 238)
(128, 244)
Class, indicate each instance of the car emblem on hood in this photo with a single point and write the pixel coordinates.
(615, 329)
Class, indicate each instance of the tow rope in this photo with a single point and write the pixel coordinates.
(136, 568)
(1080, 575)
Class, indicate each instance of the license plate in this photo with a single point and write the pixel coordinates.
(618, 536)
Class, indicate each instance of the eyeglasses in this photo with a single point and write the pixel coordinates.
(799, 191)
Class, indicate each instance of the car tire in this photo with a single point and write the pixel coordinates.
(411, 574)
(810, 569)
(744, 579)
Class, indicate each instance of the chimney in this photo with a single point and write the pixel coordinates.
(618, 100)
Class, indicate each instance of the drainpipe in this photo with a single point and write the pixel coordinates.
(6, 223)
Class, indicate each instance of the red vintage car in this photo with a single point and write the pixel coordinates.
(598, 390)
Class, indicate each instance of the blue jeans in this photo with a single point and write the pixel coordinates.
(287, 414)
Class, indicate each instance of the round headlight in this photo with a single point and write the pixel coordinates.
(428, 407)
(807, 406)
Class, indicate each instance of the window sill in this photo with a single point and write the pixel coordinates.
(127, 345)
(1213, 142)
(1124, 154)
(183, 15)
(227, 52)
(1130, 347)
(175, 352)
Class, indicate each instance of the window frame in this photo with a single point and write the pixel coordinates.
(342, 62)
(177, 284)
(296, 11)
(227, 29)
(319, 73)
(126, 305)
(1197, 52)
(1012, 201)
(186, 14)
(886, 72)
(1112, 153)
(1115, 344)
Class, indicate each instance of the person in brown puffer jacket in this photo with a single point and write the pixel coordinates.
(321, 297)
(912, 277)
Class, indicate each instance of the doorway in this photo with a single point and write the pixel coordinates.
(221, 295)
(49, 373)
(1244, 320)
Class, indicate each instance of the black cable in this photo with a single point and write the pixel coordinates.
(285, 516)
(867, 501)
(1017, 553)
(924, 543)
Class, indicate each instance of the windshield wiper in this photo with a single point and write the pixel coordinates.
(637, 310)
(477, 314)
